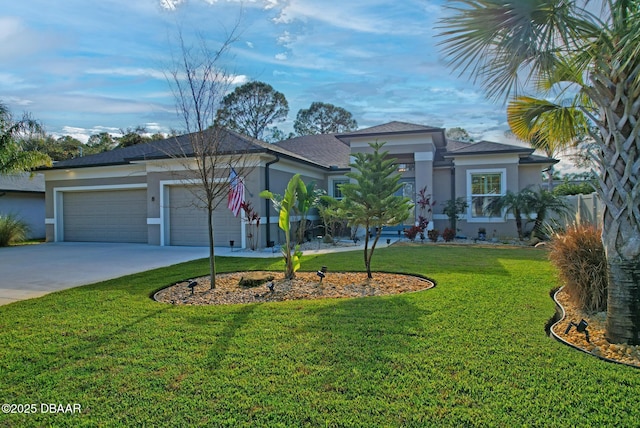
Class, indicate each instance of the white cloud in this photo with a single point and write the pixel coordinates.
(127, 71)
(18, 41)
(170, 4)
(281, 56)
(285, 38)
(174, 4)
(13, 82)
(365, 16)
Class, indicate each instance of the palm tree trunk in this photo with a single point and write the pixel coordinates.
(620, 191)
(623, 302)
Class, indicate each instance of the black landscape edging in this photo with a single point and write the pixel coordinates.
(561, 314)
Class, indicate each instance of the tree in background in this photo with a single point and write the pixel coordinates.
(371, 200)
(13, 133)
(57, 149)
(323, 118)
(101, 142)
(565, 48)
(251, 108)
(458, 134)
(274, 134)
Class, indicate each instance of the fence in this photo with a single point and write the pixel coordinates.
(582, 209)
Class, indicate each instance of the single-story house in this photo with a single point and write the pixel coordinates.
(22, 195)
(145, 193)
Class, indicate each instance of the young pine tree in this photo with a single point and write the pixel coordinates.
(371, 199)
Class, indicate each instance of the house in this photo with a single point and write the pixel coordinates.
(146, 193)
(22, 195)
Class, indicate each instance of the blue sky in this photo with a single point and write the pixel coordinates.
(83, 67)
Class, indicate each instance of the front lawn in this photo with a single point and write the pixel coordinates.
(470, 352)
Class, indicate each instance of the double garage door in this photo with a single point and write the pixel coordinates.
(121, 216)
(105, 216)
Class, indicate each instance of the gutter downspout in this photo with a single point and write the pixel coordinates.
(267, 202)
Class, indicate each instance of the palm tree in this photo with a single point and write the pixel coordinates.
(541, 203)
(13, 158)
(513, 203)
(588, 56)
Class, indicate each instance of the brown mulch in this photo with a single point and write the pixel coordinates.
(598, 345)
(306, 285)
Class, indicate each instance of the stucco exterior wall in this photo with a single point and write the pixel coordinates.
(28, 207)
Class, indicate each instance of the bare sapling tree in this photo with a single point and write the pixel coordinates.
(207, 154)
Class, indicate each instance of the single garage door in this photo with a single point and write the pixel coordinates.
(188, 221)
(105, 216)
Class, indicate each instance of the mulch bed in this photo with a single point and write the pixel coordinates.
(306, 285)
(598, 344)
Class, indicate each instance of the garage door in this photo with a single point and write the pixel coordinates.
(188, 221)
(105, 216)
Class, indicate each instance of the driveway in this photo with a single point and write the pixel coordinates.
(35, 270)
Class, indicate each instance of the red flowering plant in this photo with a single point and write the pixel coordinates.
(426, 208)
(252, 219)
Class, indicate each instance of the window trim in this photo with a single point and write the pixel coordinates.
(332, 184)
(503, 191)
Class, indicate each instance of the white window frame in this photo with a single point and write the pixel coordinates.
(332, 184)
(470, 195)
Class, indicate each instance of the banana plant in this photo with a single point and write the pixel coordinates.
(285, 204)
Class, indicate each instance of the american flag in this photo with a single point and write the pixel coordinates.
(236, 192)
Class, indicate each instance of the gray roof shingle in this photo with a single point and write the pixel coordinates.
(487, 147)
(324, 149)
(231, 143)
(394, 127)
(24, 182)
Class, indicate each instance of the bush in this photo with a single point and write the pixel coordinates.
(255, 279)
(12, 230)
(433, 235)
(412, 232)
(448, 235)
(580, 258)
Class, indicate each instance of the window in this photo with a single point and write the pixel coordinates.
(485, 187)
(405, 167)
(336, 192)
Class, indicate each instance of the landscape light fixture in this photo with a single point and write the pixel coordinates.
(270, 286)
(322, 272)
(581, 327)
(231, 245)
(192, 284)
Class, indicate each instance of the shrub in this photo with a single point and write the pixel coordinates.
(448, 235)
(433, 235)
(412, 232)
(12, 230)
(580, 258)
(255, 279)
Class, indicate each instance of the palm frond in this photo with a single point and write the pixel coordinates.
(506, 44)
(545, 124)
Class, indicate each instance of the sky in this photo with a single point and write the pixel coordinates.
(84, 67)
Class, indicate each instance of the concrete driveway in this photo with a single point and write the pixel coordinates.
(35, 270)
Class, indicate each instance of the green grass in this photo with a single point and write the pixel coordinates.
(470, 352)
